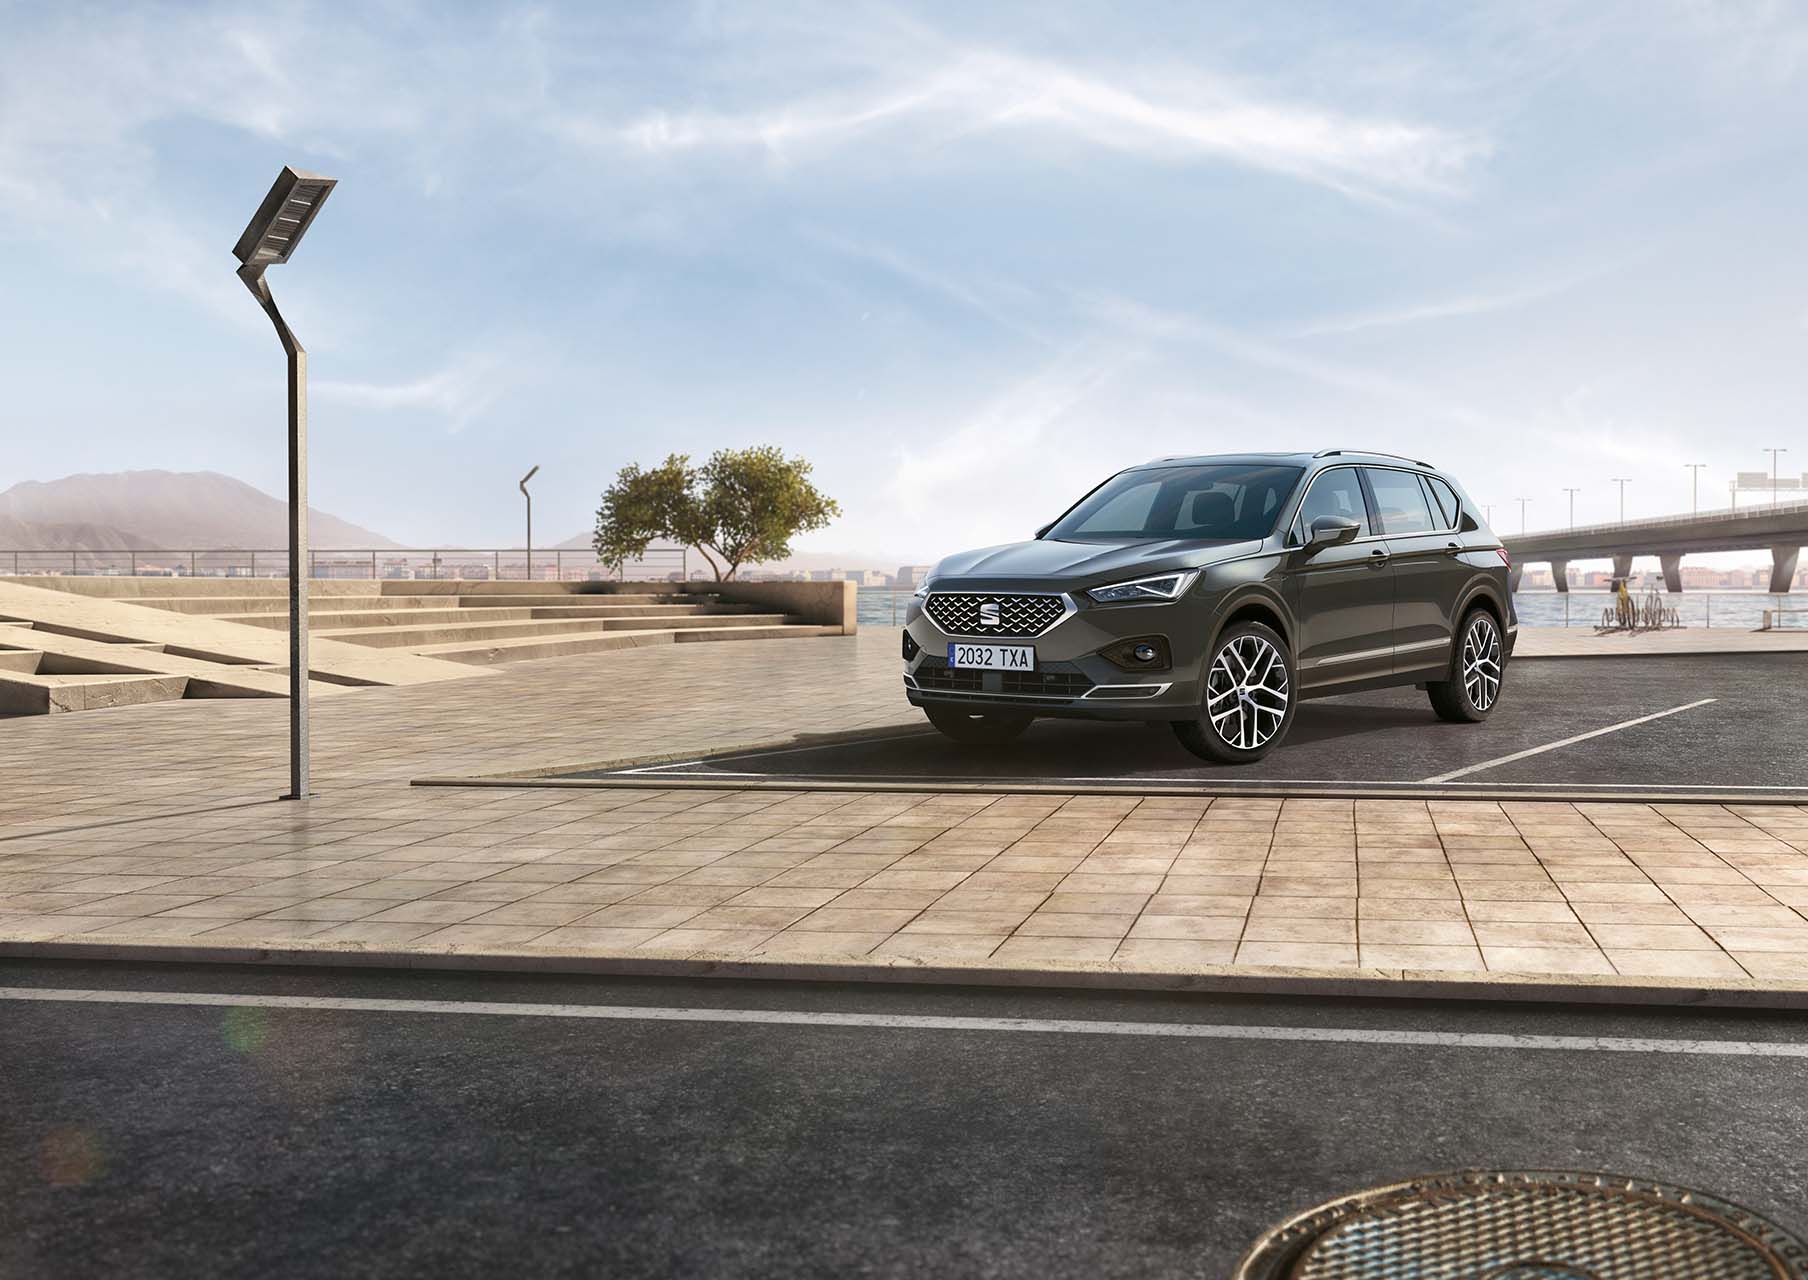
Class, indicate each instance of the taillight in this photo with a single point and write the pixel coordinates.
(1504, 557)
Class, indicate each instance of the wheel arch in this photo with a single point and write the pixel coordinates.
(1485, 595)
(1256, 605)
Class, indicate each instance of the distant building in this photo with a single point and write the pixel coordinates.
(910, 576)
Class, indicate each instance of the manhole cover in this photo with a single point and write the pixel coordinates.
(1526, 1226)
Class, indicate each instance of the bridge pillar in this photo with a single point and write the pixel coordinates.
(1672, 571)
(1514, 574)
(1782, 568)
(1622, 570)
(1560, 574)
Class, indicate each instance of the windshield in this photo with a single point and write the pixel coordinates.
(1216, 501)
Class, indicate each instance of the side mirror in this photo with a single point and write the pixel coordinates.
(1331, 531)
(1043, 531)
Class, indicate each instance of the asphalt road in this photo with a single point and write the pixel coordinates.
(1747, 742)
(170, 1140)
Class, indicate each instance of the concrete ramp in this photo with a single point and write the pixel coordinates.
(144, 654)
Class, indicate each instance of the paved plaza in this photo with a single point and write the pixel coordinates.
(157, 827)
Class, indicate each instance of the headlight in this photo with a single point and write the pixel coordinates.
(922, 590)
(1166, 586)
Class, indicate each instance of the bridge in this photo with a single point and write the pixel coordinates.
(1782, 529)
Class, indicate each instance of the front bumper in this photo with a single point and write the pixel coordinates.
(1072, 678)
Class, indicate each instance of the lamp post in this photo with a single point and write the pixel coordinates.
(1488, 513)
(1622, 481)
(1773, 473)
(1572, 505)
(270, 238)
(1522, 506)
(530, 519)
(1695, 469)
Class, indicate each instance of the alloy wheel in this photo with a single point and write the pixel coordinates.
(1246, 692)
(1481, 663)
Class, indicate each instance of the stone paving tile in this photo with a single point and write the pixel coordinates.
(197, 848)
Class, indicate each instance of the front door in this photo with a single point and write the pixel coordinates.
(1343, 595)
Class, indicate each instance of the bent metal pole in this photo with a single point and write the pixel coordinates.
(269, 239)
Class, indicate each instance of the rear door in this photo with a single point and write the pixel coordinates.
(1343, 596)
(1424, 553)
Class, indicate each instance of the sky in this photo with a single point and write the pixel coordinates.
(968, 260)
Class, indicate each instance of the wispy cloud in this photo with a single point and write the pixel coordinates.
(1197, 117)
(458, 393)
(1003, 435)
(1473, 304)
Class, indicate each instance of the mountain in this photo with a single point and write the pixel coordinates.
(38, 535)
(165, 510)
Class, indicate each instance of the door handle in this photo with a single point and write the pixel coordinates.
(1378, 557)
(1453, 549)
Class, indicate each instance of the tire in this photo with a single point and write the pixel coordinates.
(1247, 705)
(984, 729)
(1478, 664)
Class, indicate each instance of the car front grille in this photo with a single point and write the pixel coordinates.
(958, 613)
(1052, 682)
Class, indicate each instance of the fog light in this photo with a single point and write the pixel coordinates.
(911, 648)
(1139, 653)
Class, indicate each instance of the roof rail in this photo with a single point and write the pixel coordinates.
(1372, 453)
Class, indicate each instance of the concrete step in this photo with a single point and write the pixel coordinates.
(227, 606)
(419, 638)
(527, 648)
(322, 620)
(29, 694)
(520, 599)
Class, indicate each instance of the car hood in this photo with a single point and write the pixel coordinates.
(1088, 563)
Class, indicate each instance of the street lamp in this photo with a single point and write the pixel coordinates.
(1488, 513)
(1572, 505)
(1522, 506)
(1773, 473)
(530, 519)
(269, 240)
(1622, 481)
(1695, 470)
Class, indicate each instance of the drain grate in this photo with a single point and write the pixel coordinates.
(1526, 1226)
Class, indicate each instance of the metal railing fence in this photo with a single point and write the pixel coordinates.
(467, 564)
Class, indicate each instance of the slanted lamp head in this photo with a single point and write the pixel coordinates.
(283, 218)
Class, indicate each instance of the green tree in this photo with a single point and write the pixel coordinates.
(743, 506)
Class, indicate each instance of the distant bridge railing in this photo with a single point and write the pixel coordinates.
(1757, 511)
(468, 564)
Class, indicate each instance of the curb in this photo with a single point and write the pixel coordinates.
(1398, 984)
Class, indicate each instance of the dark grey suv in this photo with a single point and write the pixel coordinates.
(1215, 593)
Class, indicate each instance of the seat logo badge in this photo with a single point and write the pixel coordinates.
(989, 615)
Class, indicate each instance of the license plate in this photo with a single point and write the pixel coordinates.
(993, 657)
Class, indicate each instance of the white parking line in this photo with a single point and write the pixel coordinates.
(917, 1022)
(1564, 742)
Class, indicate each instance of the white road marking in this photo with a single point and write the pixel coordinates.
(918, 1022)
(1211, 784)
(1564, 742)
(776, 751)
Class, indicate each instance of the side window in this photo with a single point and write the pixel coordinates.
(1334, 493)
(1445, 497)
(1400, 505)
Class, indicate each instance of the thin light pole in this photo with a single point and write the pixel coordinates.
(1488, 513)
(1522, 506)
(1622, 481)
(1695, 470)
(1773, 473)
(269, 239)
(1572, 505)
(530, 519)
